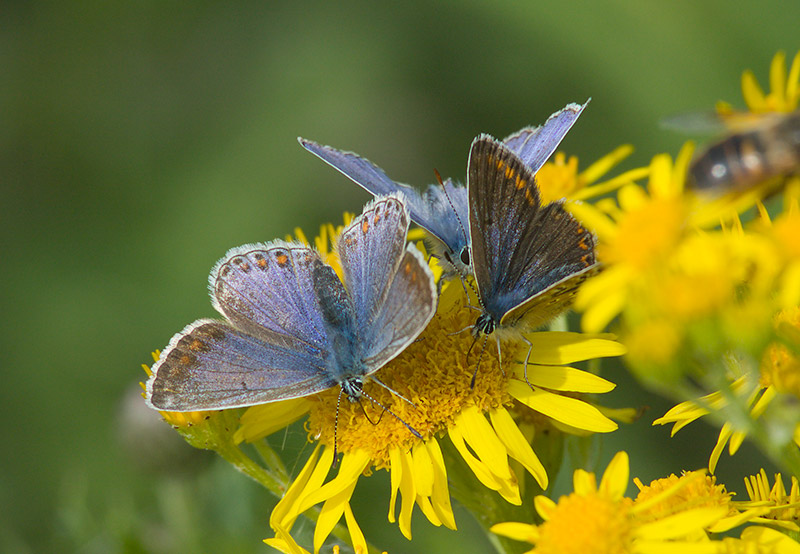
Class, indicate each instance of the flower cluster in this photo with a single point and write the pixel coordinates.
(670, 515)
(701, 288)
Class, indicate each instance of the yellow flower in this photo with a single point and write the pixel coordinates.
(784, 89)
(433, 378)
(559, 177)
(783, 510)
(602, 519)
(635, 234)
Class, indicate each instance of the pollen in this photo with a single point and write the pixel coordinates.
(646, 234)
(689, 491)
(433, 374)
(587, 523)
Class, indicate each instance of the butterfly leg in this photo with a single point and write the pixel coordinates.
(500, 356)
(527, 359)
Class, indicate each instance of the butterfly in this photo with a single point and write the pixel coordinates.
(443, 210)
(528, 258)
(292, 327)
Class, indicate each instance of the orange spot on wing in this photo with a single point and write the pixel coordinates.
(282, 259)
(364, 226)
(529, 197)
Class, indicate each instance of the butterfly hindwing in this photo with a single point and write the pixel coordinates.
(211, 364)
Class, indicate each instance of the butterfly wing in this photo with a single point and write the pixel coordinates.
(276, 346)
(211, 365)
(391, 287)
(442, 210)
(535, 145)
(519, 247)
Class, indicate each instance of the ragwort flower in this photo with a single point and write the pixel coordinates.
(665, 518)
(431, 379)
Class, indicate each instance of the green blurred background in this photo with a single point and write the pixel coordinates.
(141, 141)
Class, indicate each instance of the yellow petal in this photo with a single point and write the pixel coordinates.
(287, 547)
(263, 420)
(330, 514)
(396, 476)
(483, 441)
(507, 489)
(597, 316)
(681, 524)
(422, 469)
(544, 506)
(524, 532)
(671, 547)
(311, 476)
(775, 541)
(561, 347)
(615, 479)
(793, 88)
(604, 164)
(753, 95)
(594, 219)
(356, 536)
(610, 185)
(571, 411)
(518, 447)
(564, 378)
(632, 197)
(424, 505)
(440, 499)
(777, 78)
(409, 494)
(584, 482)
(351, 467)
(660, 185)
(722, 440)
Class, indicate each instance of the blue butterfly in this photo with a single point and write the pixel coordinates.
(442, 210)
(529, 259)
(292, 327)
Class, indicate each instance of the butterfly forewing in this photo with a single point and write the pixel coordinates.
(520, 248)
(441, 210)
(535, 145)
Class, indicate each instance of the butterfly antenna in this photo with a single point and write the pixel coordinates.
(452, 207)
(336, 429)
(390, 412)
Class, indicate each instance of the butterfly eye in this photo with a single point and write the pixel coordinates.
(465, 256)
